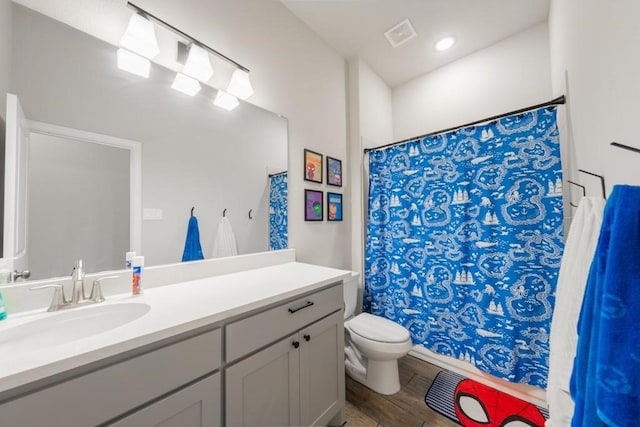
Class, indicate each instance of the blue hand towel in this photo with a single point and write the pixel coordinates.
(192, 249)
(605, 382)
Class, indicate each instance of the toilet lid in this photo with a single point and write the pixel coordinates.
(378, 328)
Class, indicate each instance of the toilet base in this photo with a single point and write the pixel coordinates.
(381, 377)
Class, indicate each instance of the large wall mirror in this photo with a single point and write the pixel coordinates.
(194, 154)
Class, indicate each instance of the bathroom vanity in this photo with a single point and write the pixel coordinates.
(256, 347)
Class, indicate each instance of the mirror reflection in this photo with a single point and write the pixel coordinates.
(194, 154)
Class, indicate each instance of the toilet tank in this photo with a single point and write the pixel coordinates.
(350, 292)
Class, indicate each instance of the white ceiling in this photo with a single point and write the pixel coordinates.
(351, 27)
(356, 28)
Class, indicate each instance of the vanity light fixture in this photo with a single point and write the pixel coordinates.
(240, 84)
(186, 84)
(133, 63)
(225, 100)
(198, 65)
(445, 43)
(140, 37)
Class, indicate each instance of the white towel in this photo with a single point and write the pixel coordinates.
(576, 261)
(225, 242)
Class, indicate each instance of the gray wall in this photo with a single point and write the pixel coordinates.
(5, 81)
(5, 54)
(78, 205)
(193, 154)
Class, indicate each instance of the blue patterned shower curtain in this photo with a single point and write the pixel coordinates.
(278, 215)
(464, 240)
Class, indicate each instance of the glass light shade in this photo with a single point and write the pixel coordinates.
(140, 37)
(445, 43)
(186, 84)
(198, 65)
(225, 100)
(135, 64)
(240, 84)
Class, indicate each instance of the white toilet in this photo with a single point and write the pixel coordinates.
(373, 344)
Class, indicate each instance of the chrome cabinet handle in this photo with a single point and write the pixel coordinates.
(302, 307)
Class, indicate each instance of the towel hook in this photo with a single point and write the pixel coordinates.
(192, 210)
(224, 212)
(250, 210)
(626, 147)
(584, 191)
(604, 191)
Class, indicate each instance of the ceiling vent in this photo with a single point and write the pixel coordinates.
(400, 33)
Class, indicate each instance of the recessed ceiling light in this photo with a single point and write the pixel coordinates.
(445, 43)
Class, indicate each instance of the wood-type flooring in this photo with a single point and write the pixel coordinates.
(365, 408)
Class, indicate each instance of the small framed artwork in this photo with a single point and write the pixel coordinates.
(313, 205)
(334, 171)
(334, 207)
(312, 166)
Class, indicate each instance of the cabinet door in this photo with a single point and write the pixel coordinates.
(195, 406)
(263, 389)
(322, 370)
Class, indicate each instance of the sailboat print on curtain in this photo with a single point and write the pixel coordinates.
(464, 240)
(278, 212)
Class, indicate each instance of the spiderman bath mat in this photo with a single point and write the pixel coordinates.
(472, 404)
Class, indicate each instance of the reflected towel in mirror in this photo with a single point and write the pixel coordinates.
(225, 241)
(192, 249)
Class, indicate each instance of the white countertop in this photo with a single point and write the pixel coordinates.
(175, 309)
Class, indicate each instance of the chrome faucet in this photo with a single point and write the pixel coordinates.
(78, 295)
(77, 280)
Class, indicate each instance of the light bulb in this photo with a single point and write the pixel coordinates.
(225, 100)
(135, 64)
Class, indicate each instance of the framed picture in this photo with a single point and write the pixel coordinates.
(313, 205)
(334, 171)
(334, 207)
(312, 166)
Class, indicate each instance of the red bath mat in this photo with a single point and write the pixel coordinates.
(472, 404)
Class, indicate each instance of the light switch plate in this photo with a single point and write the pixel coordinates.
(151, 214)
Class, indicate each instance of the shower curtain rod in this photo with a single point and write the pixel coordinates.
(557, 101)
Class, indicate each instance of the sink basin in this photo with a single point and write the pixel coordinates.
(67, 326)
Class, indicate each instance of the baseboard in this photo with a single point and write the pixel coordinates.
(525, 392)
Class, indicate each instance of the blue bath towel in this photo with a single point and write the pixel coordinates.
(605, 382)
(192, 248)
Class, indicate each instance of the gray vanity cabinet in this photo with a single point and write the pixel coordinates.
(282, 365)
(197, 405)
(264, 389)
(297, 380)
(322, 371)
(104, 395)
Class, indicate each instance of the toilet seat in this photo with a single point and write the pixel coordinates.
(378, 329)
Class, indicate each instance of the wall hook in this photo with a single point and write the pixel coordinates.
(626, 147)
(192, 210)
(604, 191)
(250, 210)
(584, 191)
(224, 212)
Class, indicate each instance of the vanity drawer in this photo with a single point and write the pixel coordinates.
(101, 395)
(256, 331)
